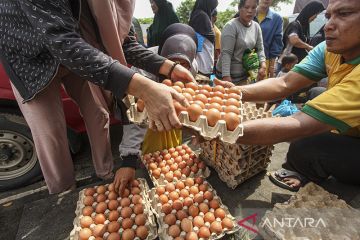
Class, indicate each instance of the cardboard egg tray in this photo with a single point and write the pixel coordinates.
(315, 214)
(237, 162)
(150, 222)
(162, 180)
(163, 231)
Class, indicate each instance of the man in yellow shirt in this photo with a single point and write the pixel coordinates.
(325, 135)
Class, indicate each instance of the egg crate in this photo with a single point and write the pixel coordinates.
(205, 172)
(333, 218)
(163, 231)
(150, 223)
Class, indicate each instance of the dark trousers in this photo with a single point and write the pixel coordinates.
(328, 154)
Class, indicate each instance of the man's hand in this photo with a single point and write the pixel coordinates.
(224, 83)
(123, 178)
(182, 74)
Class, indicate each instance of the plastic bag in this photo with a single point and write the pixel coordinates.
(286, 108)
(251, 64)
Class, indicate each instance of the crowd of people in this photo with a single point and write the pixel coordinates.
(89, 52)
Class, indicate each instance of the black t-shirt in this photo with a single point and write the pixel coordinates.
(295, 28)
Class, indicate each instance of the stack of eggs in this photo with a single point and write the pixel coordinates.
(190, 210)
(236, 163)
(103, 214)
(174, 164)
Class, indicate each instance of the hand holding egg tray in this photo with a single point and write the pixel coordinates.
(213, 111)
(100, 212)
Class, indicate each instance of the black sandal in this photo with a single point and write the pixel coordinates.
(277, 177)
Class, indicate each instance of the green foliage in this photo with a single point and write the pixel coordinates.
(184, 10)
(224, 17)
(145, 20)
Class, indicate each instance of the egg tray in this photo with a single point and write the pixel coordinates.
(163, 235)
(150, 223)
(338, 219)
(162, 181)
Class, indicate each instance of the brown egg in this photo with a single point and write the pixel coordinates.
(87, 211)
(205, 92)
(170, 219)
(219, 88)
(200, 103)
(178, 159)
(113, 204)
(194, 169)
(125, 193)
(177, 88)
(232, 121)
(189, 90)
(170, 187)
(89, 191)
(189, 162)
(142, 232)
(140, 219)
(167, 82)
(112, 195)
(177, 205)
(113, 227)
(209, 217)
(182, 165)
(85, 233)
(127, 223)
(186, 171)
(203, 207)
(163, 199)
(201, 165)
(184, 193)
(214, 204)
(232, 109)
(213, 116)
(180, 84)
(217, 100)
(99, 218)
(234, 95)
(201, 97)
(193, 211)
(165, 169)
(113, 236)
(204, 232)
(188, 201)
(135, 183)
(208, 195)
(125, 202)
(140, 105)
(135, 190)
(186, 225)
(169, 176)
(207, 88)
(235, 90)
(187, 96)
(99, 230)
(136, 199)
(192, 86)
(191, 236)
(174, 195)
(138, 208)
(167, 156)
(86, 221)
(203, 187)
(180, 185)
(113, 215)
(233, 102)
(177, 174)
(194, 190)
(216, 227)
(101, 198)
(160, 190)
(220, 213)
(218, 94)
(215, 105)
(174, 231)
(189, 182)
(156, 173)
(101, 207)
(227, 223)
(181, 214)
(166, 208)
(199, 180)
(198, 198)
(88, 200)
(126, 212)
(194, 112)
(128, 234)
(111, 187)
(199, 221)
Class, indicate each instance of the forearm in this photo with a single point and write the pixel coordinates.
(274, 130)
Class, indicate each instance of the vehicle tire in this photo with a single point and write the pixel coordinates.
(19, 165)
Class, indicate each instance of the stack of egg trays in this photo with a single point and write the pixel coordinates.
(162, 181)
(163, 235)
(150, 224)
(334, 218)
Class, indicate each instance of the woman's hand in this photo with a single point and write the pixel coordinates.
(262, 73)
(123, 177)
(179, 73)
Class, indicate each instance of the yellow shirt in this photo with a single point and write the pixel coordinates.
(157, 141)
(339, 106)
(217, 37)
(261, 17)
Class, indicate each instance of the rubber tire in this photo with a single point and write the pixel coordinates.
(18, 124)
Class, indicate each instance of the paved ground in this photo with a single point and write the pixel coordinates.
(39, 215)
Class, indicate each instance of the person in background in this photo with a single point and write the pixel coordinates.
(200, 21)
(271, 24)
(178, 43)
(217, 37)
(60, 55)
(138, 31)
(237, 36)
(164, 17)
(325, 134)
(300, 4)
(287, 64)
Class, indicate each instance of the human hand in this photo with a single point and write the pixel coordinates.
(123, 177)
(262, 73)
(182, 74)
(224, 83)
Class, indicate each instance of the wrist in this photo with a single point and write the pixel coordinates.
(139, 86)
(166, 67)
